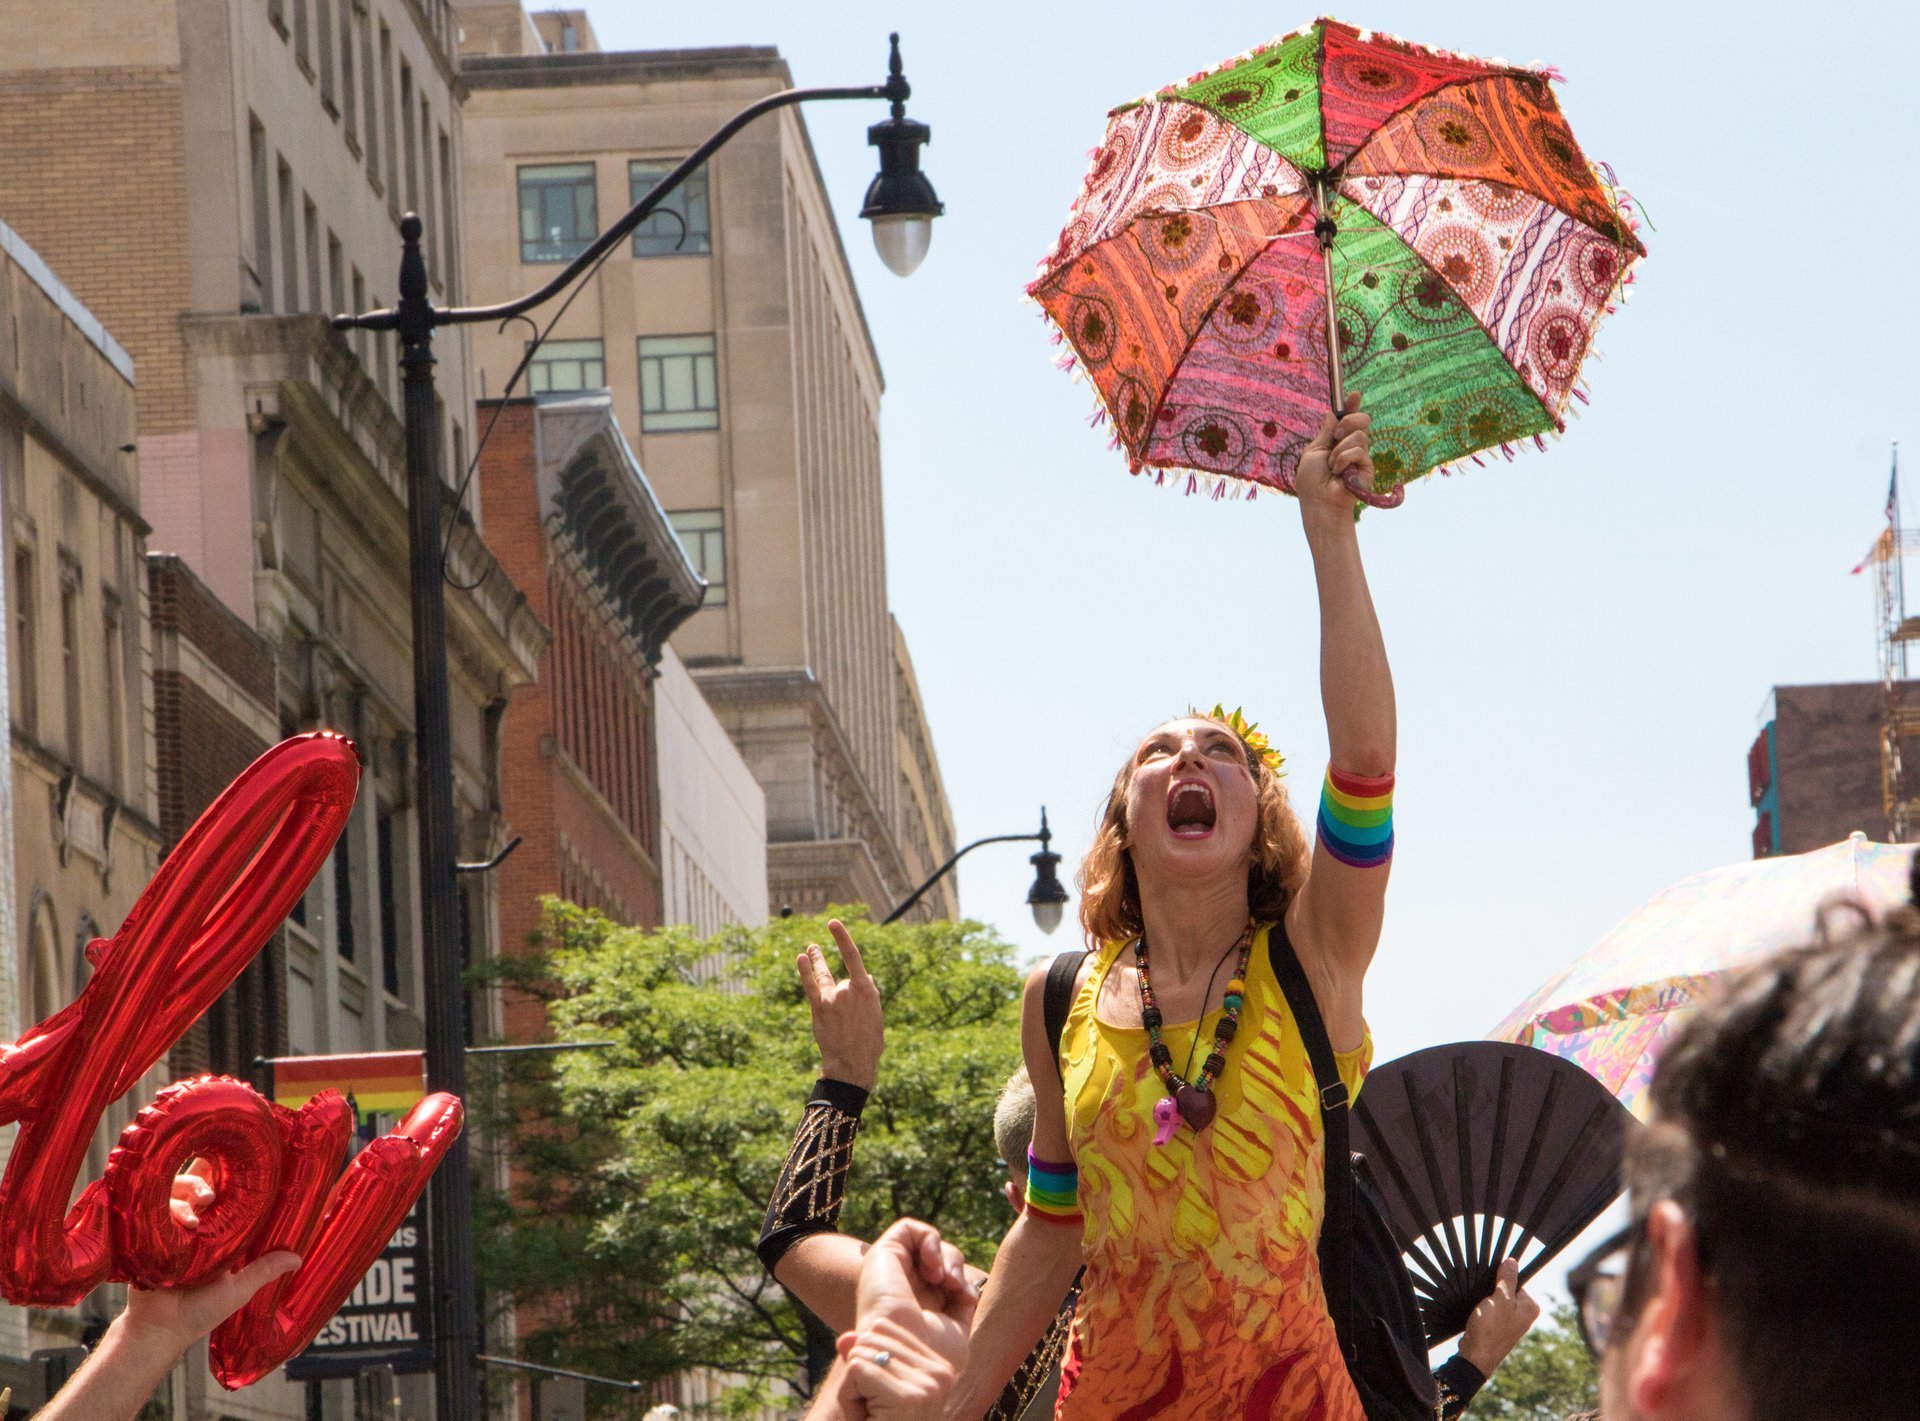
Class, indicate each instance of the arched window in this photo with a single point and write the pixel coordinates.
(46, 978)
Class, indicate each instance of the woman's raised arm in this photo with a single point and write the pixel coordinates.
(1337, 921)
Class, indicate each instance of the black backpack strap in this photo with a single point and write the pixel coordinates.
(1058, 1000)
(1336, 1228)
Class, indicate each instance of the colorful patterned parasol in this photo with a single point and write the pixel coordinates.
(1614, 1007)
(1469, 247)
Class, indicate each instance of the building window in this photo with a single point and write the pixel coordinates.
(262, 216)
(558, 218)
(114, 646)
(702, 532)
(336, 275)
(391, 125)
(349, 98)
(370, 81)
(683, 209)
(70, 658)
(323, 10)
(449, 244)
(679, 387)
(568, 365)
(26, 637)
(343, 931)
(407, 137)
(289, 241)
(311, 222)
(300, 36)
(386, 845)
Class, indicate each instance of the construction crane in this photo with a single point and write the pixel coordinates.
(1897, 629)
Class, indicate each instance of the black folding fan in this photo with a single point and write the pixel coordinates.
(1482, 1151)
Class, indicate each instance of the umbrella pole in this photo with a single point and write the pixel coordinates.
(1324, 231)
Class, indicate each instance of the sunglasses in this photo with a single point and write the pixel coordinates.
(1599, 1288)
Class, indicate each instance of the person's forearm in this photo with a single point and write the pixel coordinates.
(822, 1271)
(1039, 1260)
(1356, 684)
(116, 1380)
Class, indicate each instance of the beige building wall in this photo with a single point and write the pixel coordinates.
(796, 655)
(80, 705)
(228, 157)
(213, 177)
(713, 813)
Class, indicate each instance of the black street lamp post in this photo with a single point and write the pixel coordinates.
(901, 204)
(1047, 897)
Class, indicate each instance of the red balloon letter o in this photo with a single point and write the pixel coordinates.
(215, 1118)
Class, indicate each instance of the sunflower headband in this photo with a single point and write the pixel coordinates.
(1251, 736)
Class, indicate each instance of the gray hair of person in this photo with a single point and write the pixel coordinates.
(1013, 1121)
(1786, 1123)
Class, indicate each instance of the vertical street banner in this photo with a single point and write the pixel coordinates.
(385, 1322)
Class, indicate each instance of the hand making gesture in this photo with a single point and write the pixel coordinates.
(848, 1025)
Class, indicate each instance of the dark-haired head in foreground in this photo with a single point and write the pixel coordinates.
(1773, 1264)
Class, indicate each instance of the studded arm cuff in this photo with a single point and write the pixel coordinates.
(1459, 1382)
(813, 1181)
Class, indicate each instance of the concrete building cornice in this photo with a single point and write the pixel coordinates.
(728, 686)
(595, 498)
(561, 70)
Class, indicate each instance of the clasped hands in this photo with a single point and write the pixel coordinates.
(913, 1310)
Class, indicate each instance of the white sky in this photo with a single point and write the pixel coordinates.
(1581, 639)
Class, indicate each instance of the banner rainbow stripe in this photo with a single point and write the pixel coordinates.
(377, 1082)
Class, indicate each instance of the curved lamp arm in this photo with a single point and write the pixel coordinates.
(1046, 889)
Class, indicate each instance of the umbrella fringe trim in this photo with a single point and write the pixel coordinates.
(1548, 72)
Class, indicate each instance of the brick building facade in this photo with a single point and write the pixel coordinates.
(214, 692)
(1813, 772)
(576, 525)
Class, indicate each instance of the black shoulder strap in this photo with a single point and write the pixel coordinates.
(1059, 997)
(1336, 1228)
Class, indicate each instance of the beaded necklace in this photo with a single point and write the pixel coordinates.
(1192, 1101)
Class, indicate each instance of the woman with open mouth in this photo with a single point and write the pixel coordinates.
(1180, 1161)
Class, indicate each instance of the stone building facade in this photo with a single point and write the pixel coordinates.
(82, 827)
(732, 342)
(217, 176)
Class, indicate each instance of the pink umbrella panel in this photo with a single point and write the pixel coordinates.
(1440, 203)
(1612, 1009)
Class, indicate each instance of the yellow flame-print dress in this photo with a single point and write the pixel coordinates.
(1202, 1298)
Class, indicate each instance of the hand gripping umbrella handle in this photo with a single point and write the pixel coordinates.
(1361, 490)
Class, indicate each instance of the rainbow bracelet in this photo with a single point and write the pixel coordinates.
(1356, 818)
(1053, 1191)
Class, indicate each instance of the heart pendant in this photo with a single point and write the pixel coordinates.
(1196, 1106)
(1165, 1120)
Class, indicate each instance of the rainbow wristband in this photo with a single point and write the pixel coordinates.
(1356, 818)
(1053, 1191)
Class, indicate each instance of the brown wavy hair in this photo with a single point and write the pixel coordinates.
(1110, 895)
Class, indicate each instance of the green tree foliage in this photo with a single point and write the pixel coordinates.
(640, 1172)
(1548, 1377)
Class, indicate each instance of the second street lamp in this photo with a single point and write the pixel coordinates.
(1047, 897)
(894, 202)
